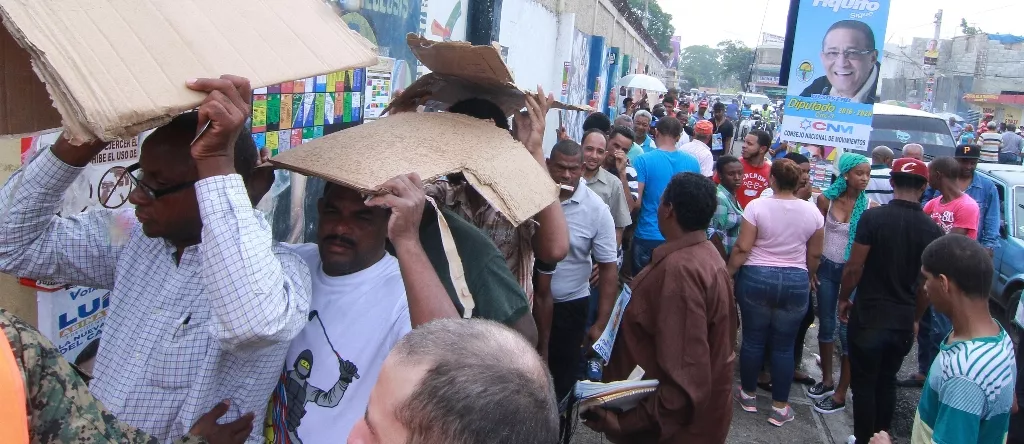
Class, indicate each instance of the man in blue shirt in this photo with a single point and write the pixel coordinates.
(732, 110)
(642, 126)
(654, 171)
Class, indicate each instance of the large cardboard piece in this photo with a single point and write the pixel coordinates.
(113, 68)
(432, 145)
(461, 71)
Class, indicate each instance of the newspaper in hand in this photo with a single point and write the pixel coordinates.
(603, 346)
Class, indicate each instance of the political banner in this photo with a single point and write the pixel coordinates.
(72, 318)
(834, 75)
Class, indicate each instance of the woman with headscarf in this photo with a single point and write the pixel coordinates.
(841, 204)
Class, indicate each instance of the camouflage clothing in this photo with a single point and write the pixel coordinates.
(60, 408)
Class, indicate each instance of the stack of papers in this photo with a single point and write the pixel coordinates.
(618, 396)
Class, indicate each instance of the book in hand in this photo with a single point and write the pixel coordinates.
(618, 396)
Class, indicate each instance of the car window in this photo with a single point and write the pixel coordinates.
(895, 131)
(1018, 212)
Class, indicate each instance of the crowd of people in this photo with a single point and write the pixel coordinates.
(1000, 142)
(218, 334)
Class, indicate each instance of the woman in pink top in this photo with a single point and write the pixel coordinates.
(954, 211)
(777, 252)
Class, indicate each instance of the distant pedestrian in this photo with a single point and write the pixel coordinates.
(879, 189)
(990, 140)
(1012, 145)
(914, 151)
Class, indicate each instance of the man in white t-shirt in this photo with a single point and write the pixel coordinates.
(360, 308)
(700, 147)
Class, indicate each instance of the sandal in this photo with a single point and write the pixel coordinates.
(806, 380)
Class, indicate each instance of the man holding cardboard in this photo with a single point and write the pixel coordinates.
(203, 302)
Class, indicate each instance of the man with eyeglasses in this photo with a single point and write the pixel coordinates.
(203, 303)
(850, 61)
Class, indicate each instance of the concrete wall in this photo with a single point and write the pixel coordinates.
(13, 297)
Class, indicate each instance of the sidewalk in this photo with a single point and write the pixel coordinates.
(809, 426)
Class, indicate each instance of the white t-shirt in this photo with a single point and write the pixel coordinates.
(364, 315)
(702, 152)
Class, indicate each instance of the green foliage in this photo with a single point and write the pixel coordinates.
(702, 65)
(969, 30)
(659, 23)
(736, 59)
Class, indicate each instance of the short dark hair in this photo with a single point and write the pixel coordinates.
(622, 131)
(797, 158)
(604, 134)
(853, 25)
(763, 138)
(718, 106)
(481, 109)
(947, 166)
(599, 121)
(724, 161)
(693, 199)
(908, 182)
(670, 126)
(627, 101)
(786, 174)
(477, 371)
(181, 130)
(963, 261)
(568, 148)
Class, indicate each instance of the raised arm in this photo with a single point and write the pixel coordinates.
(428, 299)
(80, 249)
(258, 298)
(551, 239)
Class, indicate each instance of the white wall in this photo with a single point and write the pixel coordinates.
(529, 31)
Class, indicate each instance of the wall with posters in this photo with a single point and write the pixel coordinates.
(528, 30)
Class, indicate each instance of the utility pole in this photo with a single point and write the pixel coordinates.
(930, 69)
(647, 13)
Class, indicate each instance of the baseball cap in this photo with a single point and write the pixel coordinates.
(967, 151)
(906, 166)
(703, 127)
(703, 103)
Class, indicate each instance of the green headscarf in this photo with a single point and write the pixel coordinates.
(847, 162)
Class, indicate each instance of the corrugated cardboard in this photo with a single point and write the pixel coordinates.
(461, 71)
(432, 145)
(114, 68)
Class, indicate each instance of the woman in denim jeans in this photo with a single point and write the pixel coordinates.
(841, 206)
(778, 250)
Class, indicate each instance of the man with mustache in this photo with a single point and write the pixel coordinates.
(850, 60)
(364, 300)
(561, 304)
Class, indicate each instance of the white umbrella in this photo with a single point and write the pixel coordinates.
(642, 81)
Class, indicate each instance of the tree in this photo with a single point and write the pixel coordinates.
(969, 30)
(659, 23)
(700, 63)
(736, 59)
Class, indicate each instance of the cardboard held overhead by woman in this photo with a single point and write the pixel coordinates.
(115, 68)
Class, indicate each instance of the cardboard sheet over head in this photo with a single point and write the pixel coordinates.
(110, 69)
(432, 145)
(461, 71)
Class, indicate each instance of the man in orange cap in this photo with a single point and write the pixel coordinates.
(700, 146)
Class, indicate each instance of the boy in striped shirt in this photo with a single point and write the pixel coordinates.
(969, 389)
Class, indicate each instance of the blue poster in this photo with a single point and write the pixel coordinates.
(597, 72)
(834, 75)
(613, 77)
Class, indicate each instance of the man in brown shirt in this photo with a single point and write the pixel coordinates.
(680, 327)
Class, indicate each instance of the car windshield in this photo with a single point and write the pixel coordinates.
(895, 131)
(756, 101)
(1018, 211)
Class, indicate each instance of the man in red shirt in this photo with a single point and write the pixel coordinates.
(756, 170)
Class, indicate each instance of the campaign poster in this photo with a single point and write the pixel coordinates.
(72, 318)
(834, 77)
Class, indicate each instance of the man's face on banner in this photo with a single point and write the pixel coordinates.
(848, 60)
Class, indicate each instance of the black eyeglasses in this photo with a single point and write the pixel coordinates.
(134, 174)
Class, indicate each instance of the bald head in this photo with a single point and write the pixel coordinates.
(474, 372)
(882, 155)
(913, 151)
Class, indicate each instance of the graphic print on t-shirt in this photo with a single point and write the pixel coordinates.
(293, 392)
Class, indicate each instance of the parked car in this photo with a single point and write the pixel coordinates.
(895, 126)
(1008, 258)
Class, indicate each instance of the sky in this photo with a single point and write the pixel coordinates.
(707, 23)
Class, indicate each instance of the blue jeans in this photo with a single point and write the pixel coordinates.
(643, 249)
(926, 350)
(1008, 158)
(941, 326)
(830, 275)
(773, 301)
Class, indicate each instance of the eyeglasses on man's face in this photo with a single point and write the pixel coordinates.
(134, 174)
(849, 54)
